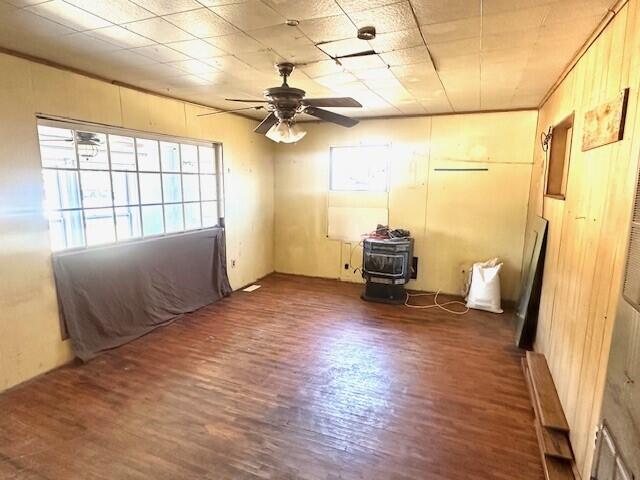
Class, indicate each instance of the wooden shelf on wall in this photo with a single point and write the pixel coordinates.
(550, 422)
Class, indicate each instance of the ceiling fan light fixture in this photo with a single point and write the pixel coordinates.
(87, 144)
(285, 132)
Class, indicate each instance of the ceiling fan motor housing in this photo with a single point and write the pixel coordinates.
(286, 101)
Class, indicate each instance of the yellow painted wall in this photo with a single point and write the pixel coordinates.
(30, 340)
(457, 218)
(588, 230)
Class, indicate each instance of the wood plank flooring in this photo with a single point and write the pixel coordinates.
(298, 380)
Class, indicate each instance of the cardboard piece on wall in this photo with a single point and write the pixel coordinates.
(605, 123)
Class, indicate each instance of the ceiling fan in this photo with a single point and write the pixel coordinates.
(284, 102)
(88, 143)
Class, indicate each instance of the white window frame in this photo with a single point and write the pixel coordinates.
(142, 135)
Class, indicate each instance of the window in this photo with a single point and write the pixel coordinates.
(360, 168)
(105, 186)
(560, 153)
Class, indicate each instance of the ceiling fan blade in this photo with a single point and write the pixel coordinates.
(331, 102)
(259, 107)
(245, 100)
(269, 121)
(331, 117)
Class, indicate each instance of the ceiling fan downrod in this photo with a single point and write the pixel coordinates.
(285, 69)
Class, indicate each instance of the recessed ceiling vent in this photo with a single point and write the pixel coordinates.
(367, 33)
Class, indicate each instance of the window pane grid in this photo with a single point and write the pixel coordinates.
(111, 204)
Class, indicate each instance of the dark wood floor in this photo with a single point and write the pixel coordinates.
(298, 380)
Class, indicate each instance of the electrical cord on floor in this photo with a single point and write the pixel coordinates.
(442, 306)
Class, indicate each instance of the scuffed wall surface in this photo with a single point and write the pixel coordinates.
(30, 339)
(457, 218)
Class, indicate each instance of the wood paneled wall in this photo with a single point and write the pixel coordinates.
(588, 230)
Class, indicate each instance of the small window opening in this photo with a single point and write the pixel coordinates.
(559, 159)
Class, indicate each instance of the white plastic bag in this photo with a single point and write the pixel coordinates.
(484, 289)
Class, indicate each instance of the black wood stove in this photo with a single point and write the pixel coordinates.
(386, 268)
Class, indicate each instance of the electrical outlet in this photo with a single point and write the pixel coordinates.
(233, 263)
(346, 266)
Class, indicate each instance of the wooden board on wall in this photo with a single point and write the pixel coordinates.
(605, 123)
(587, 230)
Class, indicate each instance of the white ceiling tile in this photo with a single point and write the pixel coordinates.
(185, 81)
(218, 78)
(160, 53)
(422, 90)
(410, 108)
(236, 43)
(387, 42)
(509, 56)
(263, 60)
(116, 11)
(383, 83)
(570, 10)
(249, 15)
(158, 30)
(526, 101)
(280, 37)
(367, 62)
(460, 79)
(33, 25)
(68, 15)
(321, 68)
(465, 102)
(519, 39)
(470, 61)
(395, 95)
(165, 7)
(329, 29)
(156, 71)
(303, 54)
(127, 59)
(574, 30)
(24, 3)
(406, 56)
(514, 21)
(83, 43)
(335, 79)
(415, 71)
(453, 30)
(196, 48)
(351, 6)
(351, 89)
(194, 67)
(401, 80)
(345, 47)
(500, 6)
(232, 65)
(120, 36)
(456, 48)
(438, 11)
(305, 9)
(389, 18)
(436, 105)
(375, 74)
(201, 23)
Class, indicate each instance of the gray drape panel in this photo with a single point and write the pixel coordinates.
(112, 295)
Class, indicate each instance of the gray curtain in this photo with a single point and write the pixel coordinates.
(115, 294)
